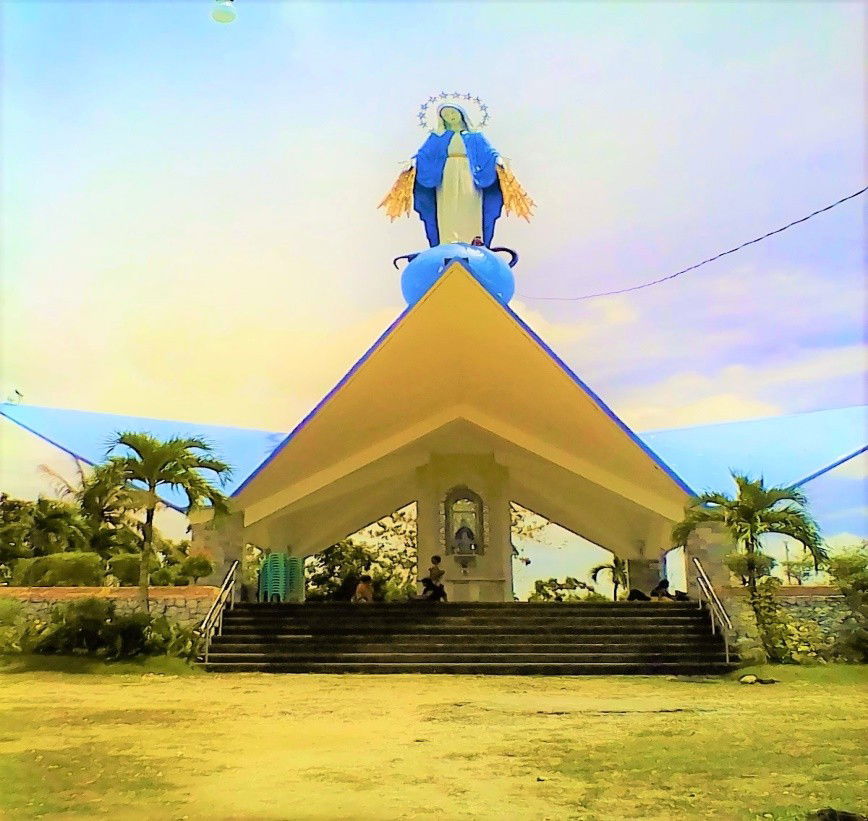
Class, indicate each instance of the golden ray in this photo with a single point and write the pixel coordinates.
(515, 198)
(399, 200)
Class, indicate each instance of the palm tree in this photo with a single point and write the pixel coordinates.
(149, 465)
(754, 511)
(618, 571)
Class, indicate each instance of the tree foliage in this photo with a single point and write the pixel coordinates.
(31, 529)
(71, 569)
(568, 590)
(524, 525)
(754, 511)
(385, 550)
(105, 504)
(147, 464)
(849, 570)
(617, 569)
(740, 564)
(108, 511)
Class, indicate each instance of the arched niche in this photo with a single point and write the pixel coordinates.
(464, 522)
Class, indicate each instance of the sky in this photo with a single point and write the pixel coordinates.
(189, 221)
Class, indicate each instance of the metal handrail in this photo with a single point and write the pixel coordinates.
(715, 605)
(214, 619)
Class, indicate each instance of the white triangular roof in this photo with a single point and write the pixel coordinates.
(458, 354)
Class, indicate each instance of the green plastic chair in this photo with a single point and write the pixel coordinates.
(282, 576)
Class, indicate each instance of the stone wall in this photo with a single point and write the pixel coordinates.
(184, 605)
(823, 605)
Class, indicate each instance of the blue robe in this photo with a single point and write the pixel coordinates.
(430, 161)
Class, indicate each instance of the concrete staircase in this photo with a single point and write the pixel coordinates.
(599, 638)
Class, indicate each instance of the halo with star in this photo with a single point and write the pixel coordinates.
(475, 108)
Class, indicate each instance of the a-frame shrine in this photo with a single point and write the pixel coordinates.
(462, 408)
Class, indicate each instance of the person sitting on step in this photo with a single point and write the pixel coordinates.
(637, 595)
(432, 586)
(662, 591)
(364, 591)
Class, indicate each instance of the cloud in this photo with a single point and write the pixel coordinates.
(739, 391)
(841, 541)
(855, 468)
(724, 407)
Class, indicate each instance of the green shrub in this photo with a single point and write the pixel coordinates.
(10, 610)
(125, 568)
(165, 576)
(75, 569)
(849, 570)
(94, 627)
(194, 567)
(75, 627)
(172, 639)
(594, 596)
(553, 590)
(13, 625)
(126, 635)
(788, 640)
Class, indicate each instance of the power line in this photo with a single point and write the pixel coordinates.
(698, 264)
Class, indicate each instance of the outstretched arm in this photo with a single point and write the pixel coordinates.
(515, 198)
(399, 200)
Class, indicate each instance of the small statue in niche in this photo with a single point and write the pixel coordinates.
(465, 540)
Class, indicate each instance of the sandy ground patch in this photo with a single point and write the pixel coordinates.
(454, 747)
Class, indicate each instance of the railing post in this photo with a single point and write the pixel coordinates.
(214, 620)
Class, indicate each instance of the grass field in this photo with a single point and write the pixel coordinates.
(126, 742)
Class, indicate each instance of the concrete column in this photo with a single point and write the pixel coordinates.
(427, 523)
(710, 545)
(489, 576)
(222, 540)
(643, 574)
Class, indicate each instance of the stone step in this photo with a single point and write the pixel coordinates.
(479, 607)
(469, 621)
(562, 656)
(603, 638)
(524, 643)
(446, 615)
(450, 632)
(481, 668)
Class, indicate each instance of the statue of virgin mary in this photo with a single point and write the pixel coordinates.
(457, 183)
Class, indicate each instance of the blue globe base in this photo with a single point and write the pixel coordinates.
(490, 270)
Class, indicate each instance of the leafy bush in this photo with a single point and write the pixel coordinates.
(194, 567)
(165, 576)
(849, 570)
(93, 627)
(126, 635)
(553, 590)
(594, 596)
(172, 639)
(788, 640)
(13, 625)
(76, 626)
(333, 574)
(125, 568)
(78, 569)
